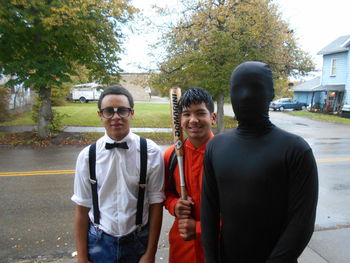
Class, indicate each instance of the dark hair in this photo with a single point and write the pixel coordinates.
(196, 95)
(116, 90)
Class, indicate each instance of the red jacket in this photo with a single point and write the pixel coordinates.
(186, 251)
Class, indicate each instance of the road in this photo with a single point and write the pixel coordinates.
(331, 146)
(36, 211)
(330, 143)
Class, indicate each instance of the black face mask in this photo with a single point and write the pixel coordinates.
(251, 93)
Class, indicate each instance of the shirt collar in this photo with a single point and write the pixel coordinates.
(202, 147)
(128, 139)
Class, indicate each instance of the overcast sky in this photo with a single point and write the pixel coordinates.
(316, 24)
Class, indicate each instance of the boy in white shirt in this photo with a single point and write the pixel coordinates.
(110, 232)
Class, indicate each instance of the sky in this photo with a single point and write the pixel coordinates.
(315, 23)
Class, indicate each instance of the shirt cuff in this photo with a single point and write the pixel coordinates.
(82, 202)
(172, 205)
(155, 198)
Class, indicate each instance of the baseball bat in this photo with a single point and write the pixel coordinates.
(175, 94)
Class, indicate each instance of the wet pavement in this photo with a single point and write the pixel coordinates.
(37, 210)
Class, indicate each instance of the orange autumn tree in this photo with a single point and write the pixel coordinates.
(212, 37)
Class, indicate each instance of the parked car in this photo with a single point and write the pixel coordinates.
(345, 111)
(287, 103)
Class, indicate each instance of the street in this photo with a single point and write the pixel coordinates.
(37, 214)
(331, 146)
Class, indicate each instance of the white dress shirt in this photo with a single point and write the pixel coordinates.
(117, 175)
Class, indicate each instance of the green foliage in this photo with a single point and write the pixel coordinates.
(4, 97)
(57, 123)
(59, 94)
(213, 37)
(45, 42)
(282, 90)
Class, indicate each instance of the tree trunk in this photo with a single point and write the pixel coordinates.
(45, 112)
(220, 113)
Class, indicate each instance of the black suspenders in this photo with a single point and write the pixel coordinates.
(93, 181)
(142, 182)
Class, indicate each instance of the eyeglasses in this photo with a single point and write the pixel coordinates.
(109, 112)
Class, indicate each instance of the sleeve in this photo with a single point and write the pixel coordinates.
(170, 198)
(198, 228)
(210, 211)
(155, 174)
(82, 187)
(302, 202)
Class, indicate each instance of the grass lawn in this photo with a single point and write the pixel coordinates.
(151, 115)
(76, 114)
(320, 116)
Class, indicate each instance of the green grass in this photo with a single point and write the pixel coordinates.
(320, 116)
(150, 115)
(158, 137)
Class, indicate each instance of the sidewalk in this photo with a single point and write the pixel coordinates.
(78, 129)
(328, 246)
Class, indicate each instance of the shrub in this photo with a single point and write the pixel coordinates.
(56, 125)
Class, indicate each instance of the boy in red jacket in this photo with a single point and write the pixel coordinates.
(197, 117)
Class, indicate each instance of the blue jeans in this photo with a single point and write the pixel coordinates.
(104, 248)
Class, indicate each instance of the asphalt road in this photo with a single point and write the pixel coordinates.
(37, 214)
(331, 146)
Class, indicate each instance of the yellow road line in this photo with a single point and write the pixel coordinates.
(333, 160)
(50, 172)
(27, 173)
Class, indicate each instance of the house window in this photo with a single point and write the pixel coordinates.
(333, 67)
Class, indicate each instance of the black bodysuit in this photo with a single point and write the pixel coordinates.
(260, 182)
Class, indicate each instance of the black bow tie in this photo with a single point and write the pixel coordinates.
(122, 145)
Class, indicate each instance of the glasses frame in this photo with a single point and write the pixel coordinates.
(115, 111)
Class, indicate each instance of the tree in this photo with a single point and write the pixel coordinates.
(43, 41)
(4, 98)
(211, 38)
(60, 93)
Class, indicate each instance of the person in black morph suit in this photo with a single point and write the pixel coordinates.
(260, 186)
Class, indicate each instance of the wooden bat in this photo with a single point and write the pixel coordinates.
(175, 94)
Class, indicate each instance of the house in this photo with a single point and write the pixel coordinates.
(137, 84)
(331, 90)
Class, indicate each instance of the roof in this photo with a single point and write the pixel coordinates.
(314, 85)
(340, 87)
(341, 44)
(86, 85)
(308, 85)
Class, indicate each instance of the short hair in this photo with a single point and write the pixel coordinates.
(116, 90)
(196, 95)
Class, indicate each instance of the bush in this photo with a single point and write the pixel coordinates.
(56, 122)
(59, 94)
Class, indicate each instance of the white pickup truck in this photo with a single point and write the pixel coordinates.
(86, 92)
